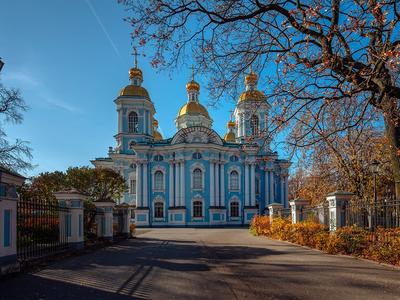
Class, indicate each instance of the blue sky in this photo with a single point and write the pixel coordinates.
(70, 59)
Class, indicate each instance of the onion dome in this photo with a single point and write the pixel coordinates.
(156, 134)
(193, 108)
(251, 78)
(252, 95)
(230, 135)
(192, 86)
(135, 72)
(231, 124)
(133, 90)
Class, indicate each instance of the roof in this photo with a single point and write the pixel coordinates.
(10, 172)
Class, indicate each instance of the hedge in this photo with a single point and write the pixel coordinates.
(382, 245)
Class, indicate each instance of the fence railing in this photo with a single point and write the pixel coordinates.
(38, 229)
(384, 213)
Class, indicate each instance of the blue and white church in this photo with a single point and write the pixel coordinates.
(195, 178)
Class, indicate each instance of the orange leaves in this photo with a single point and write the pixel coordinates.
(382, 245)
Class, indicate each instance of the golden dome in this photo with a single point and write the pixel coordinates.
(133, 90)
(252, 95)
(230, 137)
(251, 77)
(157, 135)
(231, 124)
(133, 72)
(192, 86)
(193, 108)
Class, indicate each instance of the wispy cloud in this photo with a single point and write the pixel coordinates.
(102, 26)
(41, 90)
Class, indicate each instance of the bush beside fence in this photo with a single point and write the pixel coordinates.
(382, 245)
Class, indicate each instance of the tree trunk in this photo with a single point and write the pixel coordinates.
(392, 132)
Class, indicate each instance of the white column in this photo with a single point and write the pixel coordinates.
(145, 186)
(176, 184)
(222, 197)
(286, 192)
(212, 193)
(253, 185)
(266, 189)
(138, 185)
(171, 184)
(120, 120)
(217, 197)
(182, 202)
(282, 189)
(271, 187)
(246, 185)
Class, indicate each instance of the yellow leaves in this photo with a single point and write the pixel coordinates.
(382, 245)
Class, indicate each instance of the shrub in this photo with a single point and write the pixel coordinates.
(382, 245)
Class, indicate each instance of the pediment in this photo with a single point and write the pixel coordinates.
(197, 135)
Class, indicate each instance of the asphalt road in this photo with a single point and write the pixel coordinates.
(205, 264)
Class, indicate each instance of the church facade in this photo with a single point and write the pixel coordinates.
(196, 177)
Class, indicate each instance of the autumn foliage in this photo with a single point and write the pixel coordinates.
(383, 245)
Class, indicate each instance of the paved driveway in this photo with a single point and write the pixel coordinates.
(206, 264)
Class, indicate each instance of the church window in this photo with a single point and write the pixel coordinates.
(133, 122)
(197, 155)
(234, 209)
(234, 181)
(234, 158)
(158, 158)
(197, 179)
(158, 210)
(132, 187)
(197, 209)
(158, 180)
(254, 125)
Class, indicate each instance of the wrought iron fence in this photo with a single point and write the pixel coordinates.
(41, 228)
(384, 213)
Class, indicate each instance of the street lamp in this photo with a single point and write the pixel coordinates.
(375, 169)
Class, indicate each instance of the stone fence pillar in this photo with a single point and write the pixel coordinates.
(8, 220)
(337, 202)
(124, 218)
(71, 219)
(275, 210)
(104, 219)
(296, 207)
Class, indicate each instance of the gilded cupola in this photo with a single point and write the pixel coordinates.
(156, 134)
(251, 93)
(135, 88)
(192, 113)
(230, 136)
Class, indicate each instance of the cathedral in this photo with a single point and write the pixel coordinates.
(195, 178)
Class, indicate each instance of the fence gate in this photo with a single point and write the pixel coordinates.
(39, 233)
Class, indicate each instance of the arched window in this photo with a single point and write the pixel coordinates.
(158, 180)
(234, 209)
(254, 125)
(132, 187)
(234, 181)
(197, 209)
(158, 210)
(133, 122)
(197, 179)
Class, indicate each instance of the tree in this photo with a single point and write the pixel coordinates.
(98, 184)
(13, 156)
(328, 55)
